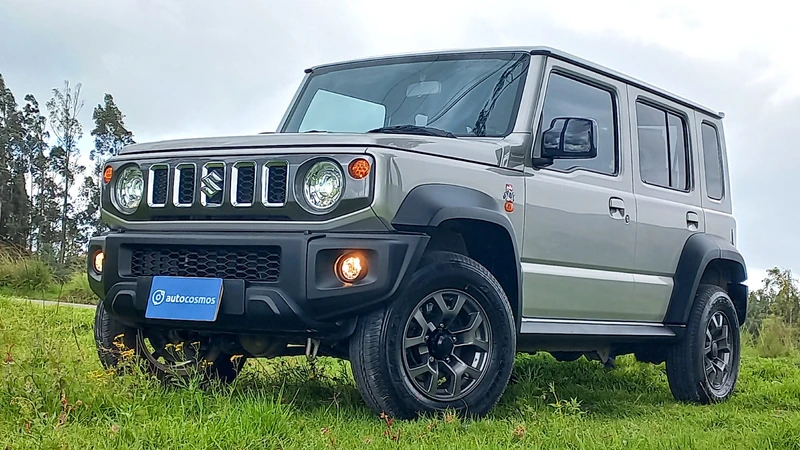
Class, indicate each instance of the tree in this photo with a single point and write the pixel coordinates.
(14, 202)
(109, 132)
(64, 108)
(110, 136)
(44, 207)
(779, 298)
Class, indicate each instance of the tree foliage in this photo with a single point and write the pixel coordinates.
(48, 205)
(63, 108)
(110, 136)
(779, 298)
(14, 161)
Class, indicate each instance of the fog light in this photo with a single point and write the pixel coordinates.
(98, 261)
(351, 268)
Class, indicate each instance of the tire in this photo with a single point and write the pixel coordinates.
(114, 339)
(712, 315)
(383, 362)
(111, 338)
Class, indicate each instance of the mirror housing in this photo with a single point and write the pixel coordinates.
(570, 138)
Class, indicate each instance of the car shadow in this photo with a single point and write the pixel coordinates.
(539, 382)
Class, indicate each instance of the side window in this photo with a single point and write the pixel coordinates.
(663, 147)
(568, 97)
(712, 157)
(351, 113)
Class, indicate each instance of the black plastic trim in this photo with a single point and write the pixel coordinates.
(306, 300)
(698, 252)
(429, 205)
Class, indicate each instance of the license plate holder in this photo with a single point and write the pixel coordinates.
(184, 298)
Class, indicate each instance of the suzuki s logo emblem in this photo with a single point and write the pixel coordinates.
(211, 184)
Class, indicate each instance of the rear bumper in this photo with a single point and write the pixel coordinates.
(302, 297)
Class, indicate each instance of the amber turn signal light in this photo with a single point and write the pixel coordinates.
(358, 168)
(107, 174)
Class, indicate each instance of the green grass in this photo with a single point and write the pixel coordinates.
(53, 394)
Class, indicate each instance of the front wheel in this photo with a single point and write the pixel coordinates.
(165, 353)
(704, 366)
(446, 342)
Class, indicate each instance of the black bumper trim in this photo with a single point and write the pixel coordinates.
(306, 300)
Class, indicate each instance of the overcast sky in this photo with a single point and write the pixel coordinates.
(204, 68)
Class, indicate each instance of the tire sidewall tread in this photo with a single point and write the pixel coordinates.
(685, 367)
(376, 348)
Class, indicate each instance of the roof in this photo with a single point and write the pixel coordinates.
(551, 52)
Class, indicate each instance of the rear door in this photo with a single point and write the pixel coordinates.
(667, 190)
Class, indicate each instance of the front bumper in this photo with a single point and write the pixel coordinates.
(302, 297)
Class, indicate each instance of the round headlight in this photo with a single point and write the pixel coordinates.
(323, 185)
(129, 190)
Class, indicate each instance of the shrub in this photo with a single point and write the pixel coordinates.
(26, 275)
(77, 289)
(775, 338)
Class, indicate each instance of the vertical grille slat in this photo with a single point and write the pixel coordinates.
(159, 185)
(245, 184)
(276, 185)
(186, 185)
(184, 182)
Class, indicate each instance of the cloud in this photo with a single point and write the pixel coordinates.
(207, 68)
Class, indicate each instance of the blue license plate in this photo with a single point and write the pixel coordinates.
(183, 298)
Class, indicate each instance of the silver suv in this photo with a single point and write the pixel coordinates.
(427, 217)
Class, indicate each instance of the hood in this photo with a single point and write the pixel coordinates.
(483, 151)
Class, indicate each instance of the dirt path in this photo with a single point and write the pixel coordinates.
(49, 303)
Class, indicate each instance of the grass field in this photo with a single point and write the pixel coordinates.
(53, 394)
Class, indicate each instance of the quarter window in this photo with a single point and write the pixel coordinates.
(566, 97)
(663, 147)
(712, 158)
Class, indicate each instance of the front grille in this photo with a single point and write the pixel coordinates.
(213, 184)
(228, 262)
(276, 185)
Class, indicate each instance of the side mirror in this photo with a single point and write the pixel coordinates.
(570, 138)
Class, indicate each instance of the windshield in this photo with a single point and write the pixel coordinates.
(460, 95)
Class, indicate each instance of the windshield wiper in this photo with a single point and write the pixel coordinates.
(505, 80)
(413, 129)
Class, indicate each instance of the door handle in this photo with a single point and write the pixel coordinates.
(616, 207)
(692, 221)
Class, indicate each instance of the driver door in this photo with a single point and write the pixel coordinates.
(580, 214)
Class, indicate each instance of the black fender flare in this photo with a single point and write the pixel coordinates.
(698, 252)
(429, 205)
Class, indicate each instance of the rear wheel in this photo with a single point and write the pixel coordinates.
(704, 366)
(446, 342)
(166, 354)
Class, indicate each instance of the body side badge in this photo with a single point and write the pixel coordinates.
(508, 196)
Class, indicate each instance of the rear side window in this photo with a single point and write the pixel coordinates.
(712, 157)
(566, 97)
(663, 147)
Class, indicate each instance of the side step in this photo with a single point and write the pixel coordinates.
(599, 328)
